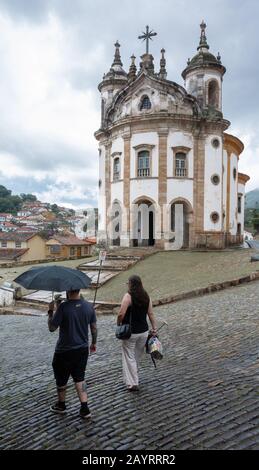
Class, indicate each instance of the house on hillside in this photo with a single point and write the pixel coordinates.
(67, 247)
(22, 247)
(5, 217)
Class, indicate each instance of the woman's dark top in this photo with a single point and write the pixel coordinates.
(138, 318)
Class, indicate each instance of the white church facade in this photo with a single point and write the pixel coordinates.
(168, 170)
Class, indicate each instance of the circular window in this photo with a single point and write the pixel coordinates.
(215, 179)
(215, 143)
(214, 217)
(234, 173)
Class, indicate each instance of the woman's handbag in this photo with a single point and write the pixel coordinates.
(123, 331)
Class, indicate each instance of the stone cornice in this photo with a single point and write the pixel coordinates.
(116, 154)
(243, 178)
(162, 121)
(233, 144)
(140, 146)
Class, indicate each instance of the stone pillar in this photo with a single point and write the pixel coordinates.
(126, 192)
(228, 193)
(162, 183)
(108, 146)
(198, 187)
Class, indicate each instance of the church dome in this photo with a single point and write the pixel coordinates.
(203, 58)
(116, 73)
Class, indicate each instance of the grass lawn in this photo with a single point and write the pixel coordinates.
(165, 273)
(174, 272)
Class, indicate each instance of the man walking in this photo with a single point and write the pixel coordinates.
(73, 317)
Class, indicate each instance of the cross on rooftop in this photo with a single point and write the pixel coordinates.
(146, 36)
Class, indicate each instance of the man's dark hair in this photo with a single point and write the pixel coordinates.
(74, 291)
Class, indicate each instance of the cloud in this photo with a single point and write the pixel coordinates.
(53, 54)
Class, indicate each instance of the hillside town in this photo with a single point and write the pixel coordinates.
(41, 231)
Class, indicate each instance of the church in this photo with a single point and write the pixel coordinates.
(168, 168)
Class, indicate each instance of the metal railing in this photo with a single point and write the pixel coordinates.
(143, 172)
(180, 172)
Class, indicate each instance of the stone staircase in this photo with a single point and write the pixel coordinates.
(117, 260)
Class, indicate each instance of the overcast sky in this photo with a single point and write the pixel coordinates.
(53, 54)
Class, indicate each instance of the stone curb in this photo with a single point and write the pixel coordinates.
(111, 307)
(214, 287)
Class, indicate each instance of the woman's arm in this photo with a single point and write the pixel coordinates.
(151, 317)
(126, 302)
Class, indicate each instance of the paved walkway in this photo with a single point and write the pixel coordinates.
(203, 395)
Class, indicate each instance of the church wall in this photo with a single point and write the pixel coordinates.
(101, 194)
(212, 192)
(179, 188)
(233, 194)
(197, 81)
(118, 146)
(117, 192)
(148, 138)
(224, 182)
(179, 139)
(144, 187)
(240, 216)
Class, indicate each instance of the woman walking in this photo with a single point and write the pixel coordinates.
(135, 307)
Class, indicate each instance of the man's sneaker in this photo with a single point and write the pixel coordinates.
(85, 412)
(58, 409)
(133, 388)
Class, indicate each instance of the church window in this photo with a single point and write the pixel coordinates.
(213, 94)
(143, 164)
(116, 169)
(145, 103)
(239, 229)
(234, 173)
(180, 165)
(214, 217)
(215, 179)
(215, 143)
(239, 203)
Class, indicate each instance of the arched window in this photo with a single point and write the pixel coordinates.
(145, 103)
(180, 165)
(143, 164)
(213, 94)
(116, 169)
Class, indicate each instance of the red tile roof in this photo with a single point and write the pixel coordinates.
(69, 240)
(11, 253)
(17, 237)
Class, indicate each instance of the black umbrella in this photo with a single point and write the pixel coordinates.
(53, 278)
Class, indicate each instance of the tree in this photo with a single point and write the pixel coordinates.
(4, 192)
(54, 208)
(255, 219)
(28, 197)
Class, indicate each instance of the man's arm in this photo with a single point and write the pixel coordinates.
(93, 329)
(51, 315)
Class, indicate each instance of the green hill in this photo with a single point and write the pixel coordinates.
(252, 199)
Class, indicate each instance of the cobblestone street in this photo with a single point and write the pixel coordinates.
(204, 394)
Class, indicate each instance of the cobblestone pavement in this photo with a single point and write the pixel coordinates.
(204, 394)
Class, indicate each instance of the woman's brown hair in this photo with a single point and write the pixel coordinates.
(139, 296)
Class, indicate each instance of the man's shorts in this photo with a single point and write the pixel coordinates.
(68, 363)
